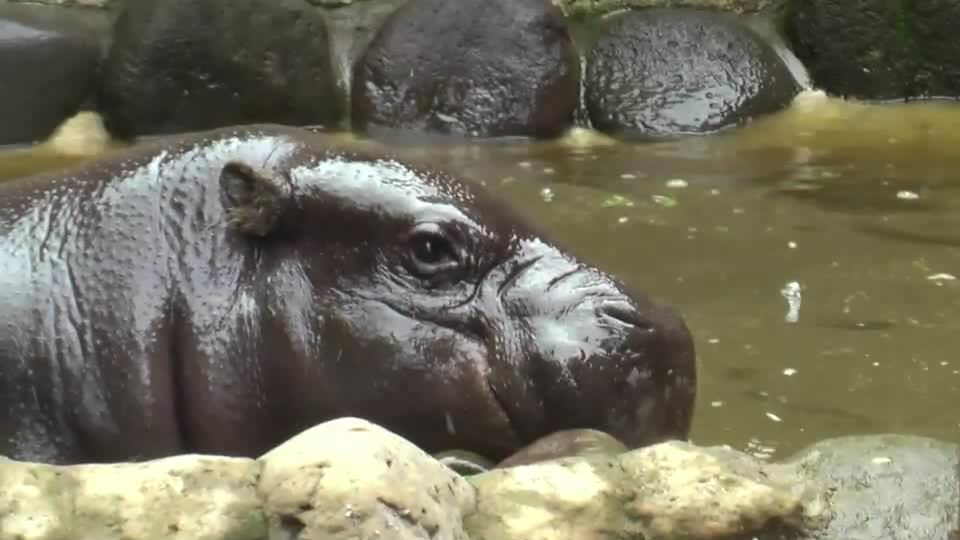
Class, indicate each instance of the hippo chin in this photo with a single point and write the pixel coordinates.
(220, 291)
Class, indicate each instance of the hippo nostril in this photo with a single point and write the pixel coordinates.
(626, 314)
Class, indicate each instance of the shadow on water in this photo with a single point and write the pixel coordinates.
(856, 203)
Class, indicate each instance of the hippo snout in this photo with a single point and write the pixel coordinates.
(605, 358)
(652, 394)
(625, 313)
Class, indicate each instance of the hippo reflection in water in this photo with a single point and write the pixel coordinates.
(218, 292)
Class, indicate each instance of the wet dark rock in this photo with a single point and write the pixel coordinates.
(658, 72)
(352, 26)
(567, 443)
(472, 67)
(877, 49)
(49, 60)
(184, 65)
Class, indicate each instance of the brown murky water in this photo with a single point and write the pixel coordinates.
(858, 204)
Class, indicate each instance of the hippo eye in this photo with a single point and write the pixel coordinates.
(431, 251)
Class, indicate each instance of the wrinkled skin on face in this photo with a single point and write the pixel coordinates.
(221, 291)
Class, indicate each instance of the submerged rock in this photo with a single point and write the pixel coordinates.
(472, 68)
(464, 462)
(661, 72)
(567, 443)
(877, 49)
(49, 62)
(184, 65)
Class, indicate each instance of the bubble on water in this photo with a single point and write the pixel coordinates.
(881, 460)
(792, 245)
(714, 191)
(677, 183)
(759, 449)
(789, 372)
(791, 292)
(546, 194)
(525, 164)
(716, 404)
(941, 277)
(905, 195)
(549, 170)
(663, 200)
(774, 417)
(713, 340)
(628, 176)
(622, 219)
(616, 200)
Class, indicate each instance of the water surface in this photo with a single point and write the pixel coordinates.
(859, 204)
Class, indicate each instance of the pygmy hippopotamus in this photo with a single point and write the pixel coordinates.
(220, 291)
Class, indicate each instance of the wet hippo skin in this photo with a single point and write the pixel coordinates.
(220, 291)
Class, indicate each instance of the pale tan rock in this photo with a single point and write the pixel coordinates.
(36, 501)
(81, 135)
(183, 497)
(666, 491)
(682, 491)
(350, 479)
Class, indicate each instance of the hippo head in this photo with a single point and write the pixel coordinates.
(416, 300)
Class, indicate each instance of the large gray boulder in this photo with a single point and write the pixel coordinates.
(662, 71)
(884, 487)
(480, 68)
(187, 65)
(49, 59)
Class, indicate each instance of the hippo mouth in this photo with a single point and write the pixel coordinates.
(510, 423)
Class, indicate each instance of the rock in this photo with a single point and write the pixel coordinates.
(594, 8)
(876, 49)
(50, 62)
(885, 487)
(183, 497)
(481, 68)
(348, 478)
(183, 65)
(82, 135)
(668, 490)
(331, 3)
(70, 3)
(464, 462)
(352, 27)
(567, 443)
(661, 72)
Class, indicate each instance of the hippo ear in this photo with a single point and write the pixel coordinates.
(254, 199)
